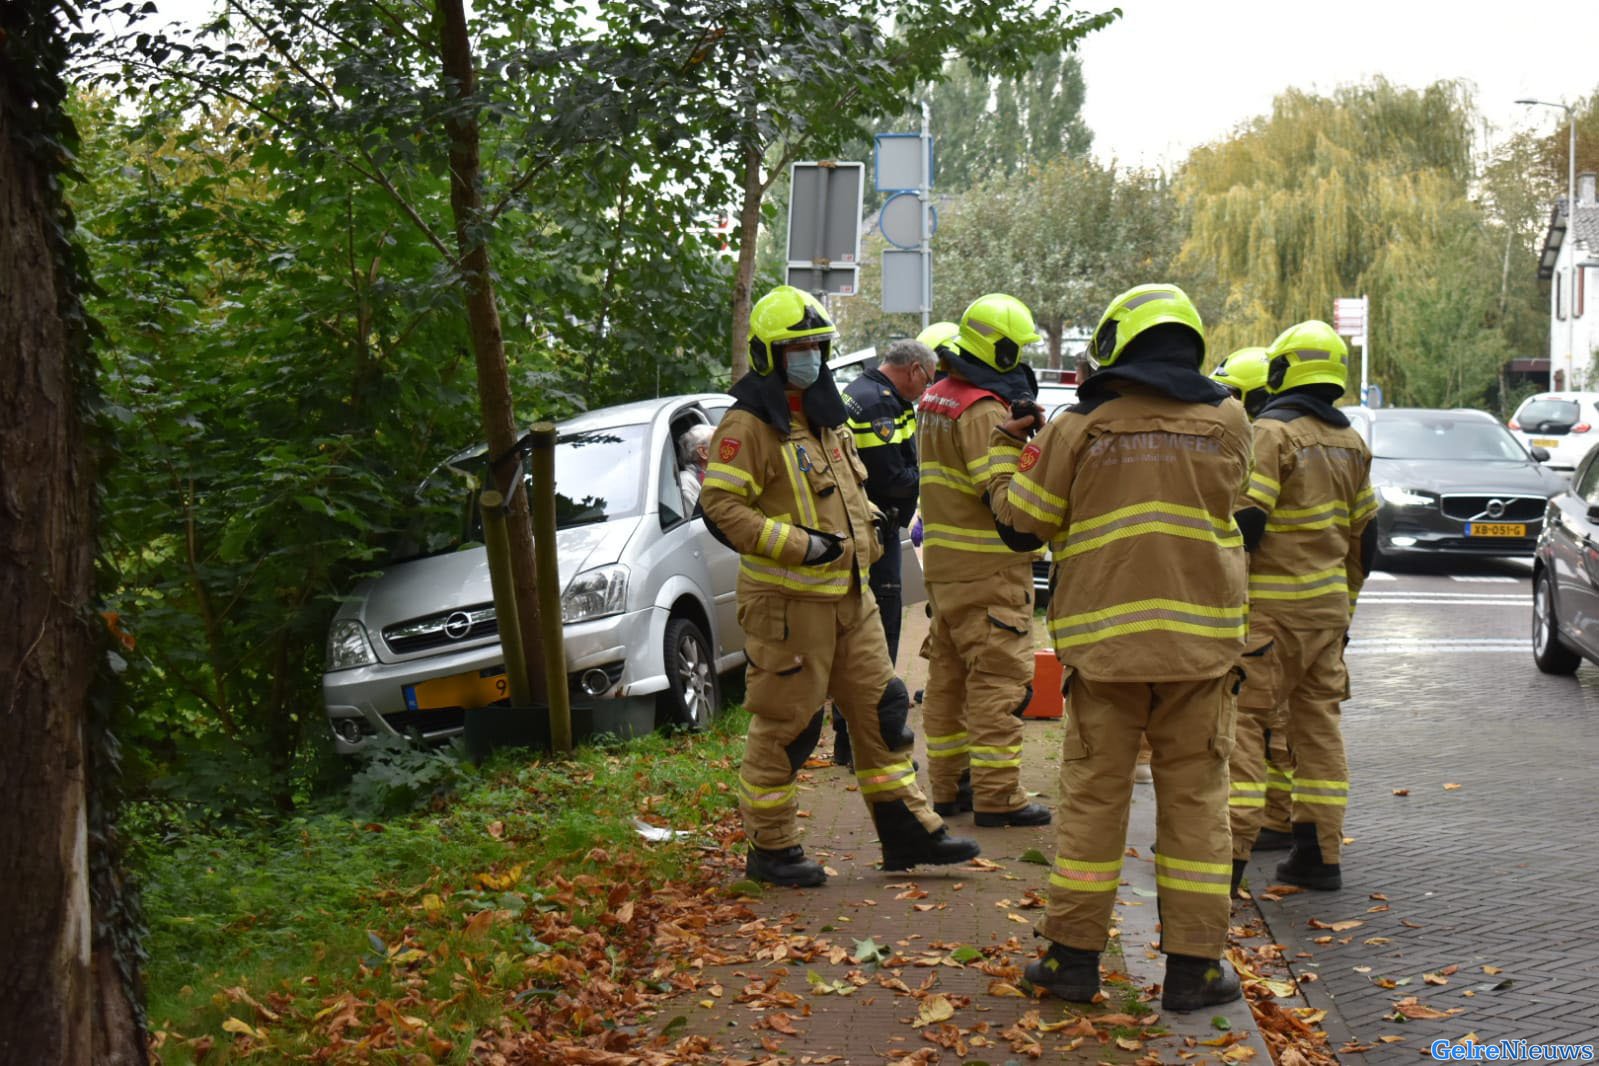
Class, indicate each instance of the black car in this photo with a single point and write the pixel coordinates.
(1565, 575)
(1453, 482)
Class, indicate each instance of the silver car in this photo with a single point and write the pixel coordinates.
(648, 598)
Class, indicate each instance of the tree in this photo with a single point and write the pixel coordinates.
(65, 996)
(802, 79)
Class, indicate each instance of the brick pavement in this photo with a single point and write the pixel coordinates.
(1497, 873)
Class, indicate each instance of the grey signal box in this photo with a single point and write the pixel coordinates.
(824, 226)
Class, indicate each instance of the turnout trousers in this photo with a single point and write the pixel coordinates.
(800, 652)
(979, 679)
(1296, 683)
(1189, 725)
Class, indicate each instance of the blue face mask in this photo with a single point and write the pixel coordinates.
(804, 367)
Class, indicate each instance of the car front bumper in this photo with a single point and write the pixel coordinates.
(369, 701)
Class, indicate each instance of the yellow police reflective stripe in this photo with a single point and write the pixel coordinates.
(946, 477)
(1322, 516)
(799, 579)
(1151, 516)
(989, 755)
(1144, 616)
(1189, 875)
(1300, 586)
(937, 535)
(885, 778)
(1027, 495)
(948, 746)
(866, 435)
(1080, 875)
(766, 796)
(1263, 490)
(730, 479)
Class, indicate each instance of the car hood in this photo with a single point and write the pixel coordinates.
(442, 583)
(1454, 475)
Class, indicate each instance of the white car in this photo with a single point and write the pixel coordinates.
(1561, 423)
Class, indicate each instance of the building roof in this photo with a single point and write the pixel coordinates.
(1586, 226)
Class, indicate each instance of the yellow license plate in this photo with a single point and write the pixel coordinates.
(1496, 529)
(1545, 442)
(468, 690)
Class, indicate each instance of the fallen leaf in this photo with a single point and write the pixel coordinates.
(1391, 1039)
(1491, 970)
(1001, 988)
(1450, 786)
(1408, 924)
(934, 1009)
(497, 830)
(1378, 896)
(1337, 927)
(1401, 791)
(234, 1025)
(1129, 1044)
(1435, 979)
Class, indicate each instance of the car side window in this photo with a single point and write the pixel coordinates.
(673, 510)
(1586, 483)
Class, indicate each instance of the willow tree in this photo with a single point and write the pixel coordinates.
(1363, 191)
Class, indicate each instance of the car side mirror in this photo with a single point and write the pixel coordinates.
(1540, 454)
(1593, 512)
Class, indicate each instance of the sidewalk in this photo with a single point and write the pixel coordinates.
(925, 967)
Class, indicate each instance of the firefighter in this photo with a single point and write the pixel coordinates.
(1135, 486)
(784, 489)
(980, 644)
(881, 409)
(1307, 520)
(1260, 768)
(940, 337)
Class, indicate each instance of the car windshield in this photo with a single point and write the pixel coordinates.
(599, 475)
(1545, 415)
(1443, 437)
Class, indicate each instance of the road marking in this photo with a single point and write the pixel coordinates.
(1440, 601)
(1484, 646)
(1380, 575)
(1500, 578)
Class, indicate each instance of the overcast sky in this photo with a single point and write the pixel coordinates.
(1172, 74)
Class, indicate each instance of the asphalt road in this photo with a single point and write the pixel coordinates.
(1474, 820)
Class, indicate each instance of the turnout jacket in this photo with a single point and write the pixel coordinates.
(954, 421)
(762, 490)
(883, 425)
(1135, 496)
(1313, 480)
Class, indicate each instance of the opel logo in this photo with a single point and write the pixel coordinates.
(1496, 508)
(459, 624)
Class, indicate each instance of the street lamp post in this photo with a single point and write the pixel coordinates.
(1571, 220)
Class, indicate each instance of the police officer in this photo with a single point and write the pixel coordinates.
(1135, 486)
(980, 646)
(1260, 768)
(1307, 520)
(784, 489)
(880, 405)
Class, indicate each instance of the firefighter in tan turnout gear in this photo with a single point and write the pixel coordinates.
(980, 645)
(1261, 798)
(784, 489)
(1307, 522)
(1134, 488)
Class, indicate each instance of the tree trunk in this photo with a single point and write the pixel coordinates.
(483, 319)
(749, 221)
(49, 998)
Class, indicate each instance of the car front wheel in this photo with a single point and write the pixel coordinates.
(1551, 655)
(692, 692)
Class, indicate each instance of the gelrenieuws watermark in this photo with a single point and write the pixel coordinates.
(1510, 1051)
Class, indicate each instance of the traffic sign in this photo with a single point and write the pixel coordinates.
(905, 281)
(904, 163)
(1349, 316)
(901, 220)
(824, 225)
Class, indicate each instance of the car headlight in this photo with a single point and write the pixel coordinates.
(1405, 497)
(348, 646)
(595, 594)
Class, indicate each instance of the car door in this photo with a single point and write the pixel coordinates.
(1574, 551)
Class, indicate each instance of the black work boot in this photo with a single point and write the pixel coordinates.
(1026, 814)
(1238, 877)
(786, 866)
(842, 755)
(1304, 867)
(1070, 973)
(906, 842)
(1274, 840)
(1192, 983)
(962, 802)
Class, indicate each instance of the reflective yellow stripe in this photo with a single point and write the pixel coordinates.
(1322, 793)
(1248, 786)
(947, 747)
(1365, 504)
(1263, 489)
(1190, 875)
(803, 500)
(867, 437)
(774, 535)
(947, 477)
(885, 778)
(1298, 586)
(936, 535)
(1246, 794)
(989, 755)
(1152, 516)
(1143, 616)
(766, 796)
(1321, 801)
(1322, 516)
(1310, 783)
(800, 579)
(1080, 875)
(730, 478)
(1027, 495)
(1246, 801)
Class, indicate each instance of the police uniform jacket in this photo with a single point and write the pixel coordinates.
(1135, 496)
(954, 420)
(883, 425)
(1313, 480)
(763, 488)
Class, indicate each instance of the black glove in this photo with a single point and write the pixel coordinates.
(887, 527)
(1024, 408)
(823, 548)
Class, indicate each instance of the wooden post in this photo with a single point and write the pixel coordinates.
(542, 499)
(497, 542)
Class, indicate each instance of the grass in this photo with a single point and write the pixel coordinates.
(269, 926)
